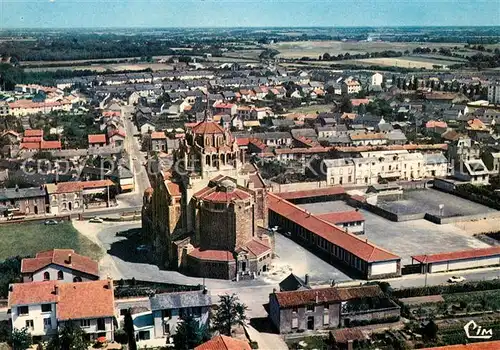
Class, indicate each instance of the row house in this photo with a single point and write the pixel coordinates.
(365, 138)
(373, 167)
(63, 265)
(327, 308)
(44, 308)
(74, 197)
(23, 201)
(225, 108)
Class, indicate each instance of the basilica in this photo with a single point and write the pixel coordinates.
(207, 214)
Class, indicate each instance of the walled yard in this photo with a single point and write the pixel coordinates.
(405, 238)
(428, 201)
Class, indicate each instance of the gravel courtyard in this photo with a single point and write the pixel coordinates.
(405, 238)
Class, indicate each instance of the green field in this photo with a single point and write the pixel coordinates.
(30, 238)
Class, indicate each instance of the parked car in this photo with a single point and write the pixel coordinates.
(51, 222)
(96, 219)
(456, 279)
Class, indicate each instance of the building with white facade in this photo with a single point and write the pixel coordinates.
(377, 79)
(45, 307)
(494, 93)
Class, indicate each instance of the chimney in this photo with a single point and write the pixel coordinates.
(350, 345)
(56, 289)
(317, 298)
(109, 285)
(69, 259)
(306, 279)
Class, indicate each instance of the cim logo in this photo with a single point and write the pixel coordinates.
(475, 331)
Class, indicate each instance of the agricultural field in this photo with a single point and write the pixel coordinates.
(29, 238)
(298, 49)
(117, 67)
(403, 62)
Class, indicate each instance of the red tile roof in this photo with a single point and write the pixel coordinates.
(99, 138)
(117, 132)
(50, 145)
(32, 139)
(96, 184)
(243, 141)
(33, 133)
(32, 293)
(325, 295)
(359, 101)
(222, 342)
(85, 300)
(436, 124)
(459, 255)
(173, 189)
(212, 255)
(355, 245)
(368, 136)
(158, 135)
(342, 217)
(348, 334)
(60, 257)
(224, 105)
(488, 345)
(327, 191)
(208, 128)
(301, 150)
(257, 247)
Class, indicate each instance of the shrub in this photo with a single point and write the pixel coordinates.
(121, 336)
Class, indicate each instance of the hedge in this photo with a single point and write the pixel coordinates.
(447, 289)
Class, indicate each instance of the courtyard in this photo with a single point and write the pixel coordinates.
(429, 201)
(405, 238)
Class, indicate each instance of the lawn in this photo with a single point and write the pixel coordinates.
(29, 238)
(312, 109)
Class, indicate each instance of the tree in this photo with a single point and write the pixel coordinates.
(326, 56)
(70, 337)
(346, 105)
(189, 334)
(20, 339)
(230, 312)
(129, 328)
(430, 330)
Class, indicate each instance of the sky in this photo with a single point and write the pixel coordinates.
(240, 13)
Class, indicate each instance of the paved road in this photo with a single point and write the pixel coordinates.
(137, 159)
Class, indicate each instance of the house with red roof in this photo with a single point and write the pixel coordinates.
(97, 140)
(225, 108)
(458, 260)
(327, 308)
(59, 264)
(116, 138)
(222, 342)
(45, 307)
(340, 246)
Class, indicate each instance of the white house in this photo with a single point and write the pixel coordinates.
(43, 307)
(377, 79)
(59, 264)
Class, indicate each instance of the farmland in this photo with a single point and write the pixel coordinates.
(313, 49)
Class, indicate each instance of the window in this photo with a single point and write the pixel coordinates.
(46, 276)
(29, 324)
(123, 312)
(85, 323)
(295, 309)
(22, 310)
(47, 323)
(166, 313)
(326, 319)
(60, 275)
(310, 307)
(295, 322)
(46, 307)
(196, 311)
(166, 328)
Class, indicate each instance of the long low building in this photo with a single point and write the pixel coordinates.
(323, 237)
(459, 260)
